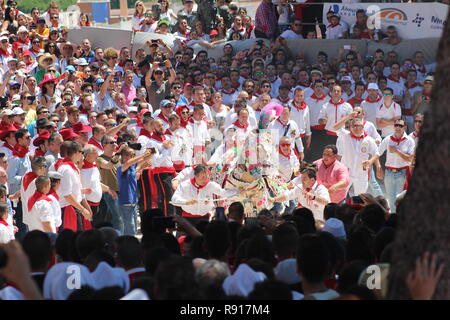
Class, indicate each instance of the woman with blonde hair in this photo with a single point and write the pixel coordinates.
(167, 13)
(138, 16)
(111, 55)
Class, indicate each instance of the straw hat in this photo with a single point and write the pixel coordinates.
(46, 56)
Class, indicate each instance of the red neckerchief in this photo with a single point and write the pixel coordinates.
(28, 178)
(301, 107)
(178, 110)
(157, 137)
(168, 132)
(35, 51)
(151, 22)
(314, 96)
(144, 132)
(239, 125)
(341, 101)
(8, 146)
(231, 91)
(284, 125)
(88, 165)
(355, 100)
(26, 42)
(83, 111)
(39, 153)
(4, 53)
(349, 95)
(197, 186)
(283, 101)
(19, 151)
(184, 33)
(235, 86)
(421, 69)
(372, 101)
(95, 143)
(163, 118)
(358, 138)
(3, 222)
(415, 134)
(397, 140)
(68, 162)
(249, 30)
(37, 196)
(53, 193)
(334, 25)
(408, 86)
(240, 30)
(390, 77)
(426, 94)
(287, 156)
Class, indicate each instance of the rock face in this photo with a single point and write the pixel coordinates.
(424, 216)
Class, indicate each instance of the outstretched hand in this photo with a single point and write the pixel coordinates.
(423, 280)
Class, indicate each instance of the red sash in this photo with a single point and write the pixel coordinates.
(95, 143)
(27, 179)
(37, 196)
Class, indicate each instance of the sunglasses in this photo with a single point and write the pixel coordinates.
(88, 91)
(297, 24)
(185, 112)
(387, 94)
(399, 125)
(285, 145)
(265, 86)
(110, 142)
(158, 72)
(319, 87)
(177, 87)
(418, 121)
(111, 125)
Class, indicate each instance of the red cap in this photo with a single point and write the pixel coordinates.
(144, 111)
(188, 85)
(5, 130)
(26, 53)
(213, 33)
(43, 136)
(67, 134)
(81, 128)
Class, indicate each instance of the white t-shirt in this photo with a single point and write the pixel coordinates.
(291, 35)
(90, 178)
(405, 145)
(334, 112)
(41, 212)
(388, 113)
(70, 185)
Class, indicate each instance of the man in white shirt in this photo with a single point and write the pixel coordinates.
(372, 103)
(387, 113)
(40, 211)
(199, 129)
(300, 114)
(400, 152)
(90, 178)
(73, 207)
(333, 111)
(410, 88)
(396, 82)
(195, 196)
(336, 30)
(284, 127)
(288, 166)
(229, 94)
(283, 95)
(241, 125)
(295, 32)
(418, 122)
(359, 152)
(308, 192)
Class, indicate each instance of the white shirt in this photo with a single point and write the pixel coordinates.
(283, 102)
(292, 132)
(407, 103)
(242, 132)
(183, 148)
(287, 165)
(388, 113)
(41, 212)
(413, 135)
(355, 151)
(162, 158)
(90, 178)
(291, 35)
(252, 117)
(199, 131)
(8, 152)
(186, 191)
(298, 193)
(371, 131)
(70, 185)
(24, 196)
(301, 118)
(334, 112)
(393, 160)
(56, 210)
(229, 96)
(5, 234)
(315, 105)
(370, 108)
(335, 32)
(397, 86)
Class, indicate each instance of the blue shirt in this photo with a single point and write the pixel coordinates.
(90, 57)
(16, 169)
(127, 185)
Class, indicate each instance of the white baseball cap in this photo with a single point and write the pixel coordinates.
(17, 111)
(373, 86)
(346, 78)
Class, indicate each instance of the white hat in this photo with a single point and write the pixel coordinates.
(107, 276)
(346, 78)
(373, 86)
(54, 175)
(136, 294)
(6, 112)
(242, 282)
(4, 38)
(317, 71)
(286, 271)
(60, 275)
(82, 62)
(11, 293)
(335, 227)
(132, 109)
(22, 29)
(17, 111)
